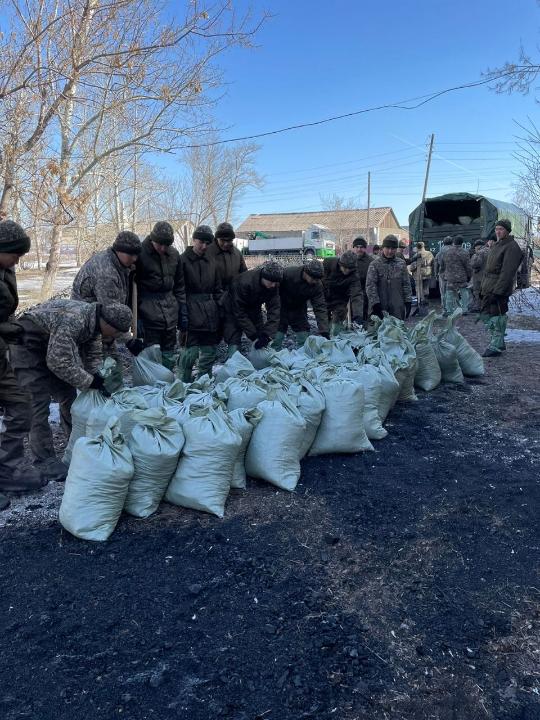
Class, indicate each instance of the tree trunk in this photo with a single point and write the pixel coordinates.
(53, 263)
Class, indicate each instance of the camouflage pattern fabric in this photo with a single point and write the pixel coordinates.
(456, 266)
(388, 284)
(102, 279)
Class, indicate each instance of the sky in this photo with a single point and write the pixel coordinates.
(319, 59)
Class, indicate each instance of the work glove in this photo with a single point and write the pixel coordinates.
(98, 383)
(377, 310)
(135, 346)
(113, 379)
(183, 321)
(407, 309)
(325, 335)
(262, 341)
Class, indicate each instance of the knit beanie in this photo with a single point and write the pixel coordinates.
(204, 233)
(13, 238)
(448, 240)
(479, 243)
(224, 231)
(162, 233)
(272, 270)
(390, 241)
(117, 315)
(402, 244)
(458, 240)
(127, 242)
(506, 224)
(348, 259)
(359, 242)
(314, 268)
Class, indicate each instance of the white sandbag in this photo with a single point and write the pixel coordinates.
(309, 399)
(84, 403)
(121, 405)
(370, 379)
(470, 361)
(97, 484)
(272, 453)
(342, 423)
(244, 393)
(205, 470)
(236, 366)
(244, 421)
(390, 388)
(428, 371)
(401, 355)
(260, 358)
(155, 443)
(448, 360)
(152, 393)
(147, 369)
(335, 351)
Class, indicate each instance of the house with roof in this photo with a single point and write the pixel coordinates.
(345, 224)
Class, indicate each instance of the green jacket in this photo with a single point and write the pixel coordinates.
(340, 288)
(160, 283)
(248, 296)
(502, 264)
(295, 293)
(9, 302)
(203, 288)
(229, 264)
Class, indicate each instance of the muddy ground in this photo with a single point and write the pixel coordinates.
(401, 584)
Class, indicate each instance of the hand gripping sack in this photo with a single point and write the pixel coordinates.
(448, 361)
(97, 484)
(428, 371)
(236, 366)
(470, 361)
(260, 358)
(342, 424)
(244, 421)
(370, 379)
(155, 443)
(82, 407)
(272, 453)
(309, 399)
(147, 368)
(205, 470)
(121, 405)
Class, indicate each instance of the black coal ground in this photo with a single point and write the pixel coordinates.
(400, 584)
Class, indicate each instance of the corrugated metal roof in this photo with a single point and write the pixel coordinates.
(353, 220)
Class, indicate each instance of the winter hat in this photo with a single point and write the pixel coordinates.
(348, 259)
(359, 242)
(162, 233)
(448, 240)
(13, 239)
(314, 268)
(479, 243)
(376, 247)
(204, 233)
(127, 242)
(390, 241)
(117, 315)
(420, 245)
(458, 240)
(224, 231)
(272, 270)
(506, 224)
(402, 244)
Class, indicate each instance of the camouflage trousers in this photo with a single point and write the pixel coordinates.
(42, 386)
(17, 408)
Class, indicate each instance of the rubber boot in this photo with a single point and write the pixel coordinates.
(277, 342)
(186, 362)
(168, 359)
(53, 469)
(451, 301)
(496, 340)
(504, 323)
(207, 358)
(301, 338)
(465, 299)
(231, 350)
(22, 480)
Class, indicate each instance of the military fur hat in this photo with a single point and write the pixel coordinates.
(272, 270)
(13, 238)
(348, 259)
(448, 240)
(506, 224)
(359, 242)
(314, 268)
(390, 241)
(127, 242)
(162, 233)
(117, 315)
(458, 240)
(420, 245)
(204, 233)
(225, 231)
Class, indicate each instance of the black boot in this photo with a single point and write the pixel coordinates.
(53, 469)
(22, 480)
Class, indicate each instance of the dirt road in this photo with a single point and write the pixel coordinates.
(401, 584)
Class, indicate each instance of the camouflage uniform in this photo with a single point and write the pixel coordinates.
(388, 284)
(456, 266)
(426, 260)
(478, 263)
(295, 293)
(339, 289)
(438, 271)
(15, 400)
(103, 279)
(363, 263)
(49, 363)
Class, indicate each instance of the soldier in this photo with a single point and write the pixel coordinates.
(447, 244)
(478, 263)
(456, 266)
(230, 263)
(502, 264)
(14, 243)
(376, 250)
(203, 291)
(49, 362)
(362, 264)
(425, 259)
(401, 250)
(106, 278)
(388, 283)
(342, 285)
(161, 297)
(301, 284)
(249, 292)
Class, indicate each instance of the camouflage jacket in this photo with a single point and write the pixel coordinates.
(456, 266)
(9, 301)
(426, 260)
(388, 284)
(478, 263)
(439, 259)
(71, 326)
(102, 279)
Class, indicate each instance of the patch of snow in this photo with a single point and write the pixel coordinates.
(522, 336)
(525, 303)
(54, 413)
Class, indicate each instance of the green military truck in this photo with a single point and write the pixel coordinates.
(473, 217)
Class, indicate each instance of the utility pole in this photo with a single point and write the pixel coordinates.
(428, 166)
(419, 284)
(368, 204)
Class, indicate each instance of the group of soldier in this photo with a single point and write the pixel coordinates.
(187, 304)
